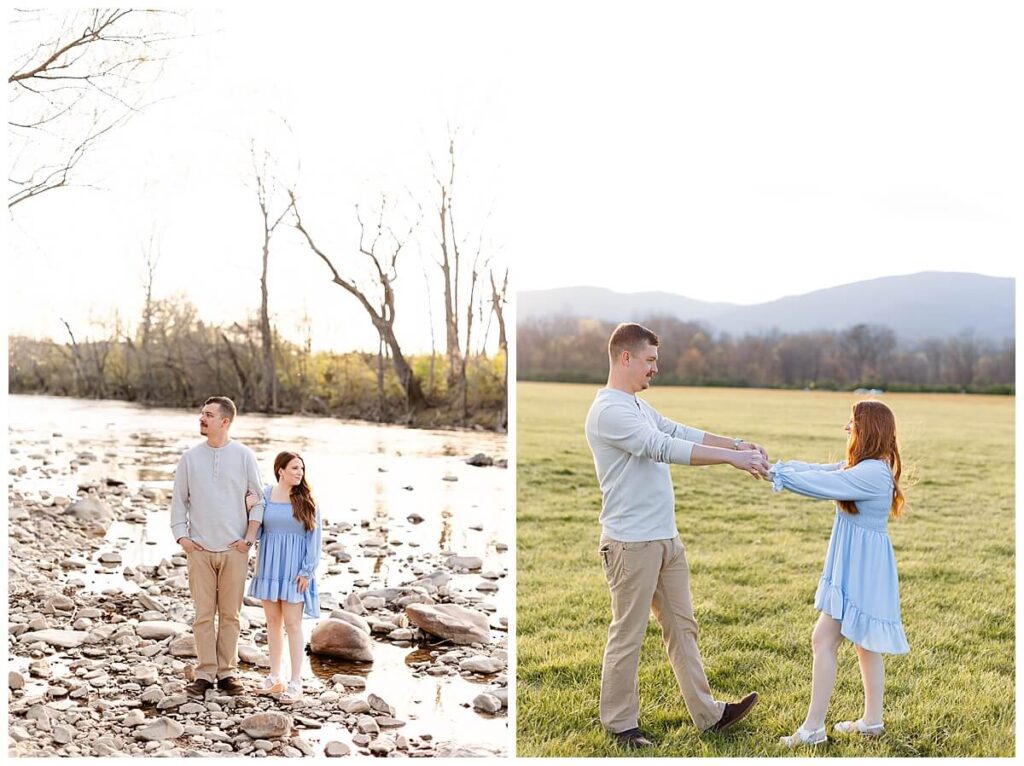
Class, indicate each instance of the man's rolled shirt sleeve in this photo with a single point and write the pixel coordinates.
(625, 428)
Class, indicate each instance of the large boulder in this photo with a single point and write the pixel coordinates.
(341, 639)
(351, 619)
(267, 725)
(451, 621)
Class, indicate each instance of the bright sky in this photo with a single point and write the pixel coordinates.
(368, 100)
(745, 151)
(724, 151)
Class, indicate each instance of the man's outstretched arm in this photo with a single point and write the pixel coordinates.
(726, 442)
(708, 439)
(749, 460)
(624, 428)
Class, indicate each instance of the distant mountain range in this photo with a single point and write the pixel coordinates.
(931, 304)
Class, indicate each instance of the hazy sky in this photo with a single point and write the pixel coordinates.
(725, 151)
(742, 152)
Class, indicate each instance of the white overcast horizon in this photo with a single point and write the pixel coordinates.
(735, 152)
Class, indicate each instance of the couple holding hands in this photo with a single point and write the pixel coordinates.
(219, 510)
(645, 562)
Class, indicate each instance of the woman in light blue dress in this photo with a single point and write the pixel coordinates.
(858, 594)
(286, 569)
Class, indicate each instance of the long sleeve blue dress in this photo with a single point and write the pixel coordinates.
(859, 586)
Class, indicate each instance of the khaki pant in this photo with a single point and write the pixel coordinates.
(641, 576)
(217, 582)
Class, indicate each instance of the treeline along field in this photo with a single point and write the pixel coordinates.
(573, 350)
(755, 559)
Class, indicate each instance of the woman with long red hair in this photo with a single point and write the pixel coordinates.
(286, 569)
(858, 594)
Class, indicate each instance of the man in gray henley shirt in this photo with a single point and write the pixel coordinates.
(209, 521)
(644, 559)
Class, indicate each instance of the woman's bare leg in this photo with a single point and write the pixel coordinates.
(296, 642)
(872, 673)
(825, 642)
(275, 639)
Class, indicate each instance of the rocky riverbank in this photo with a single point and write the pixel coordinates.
(101, 671)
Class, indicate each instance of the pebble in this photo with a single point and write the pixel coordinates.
(335, 749)
(134, 718)
(146, 674)
(487, 702)
(382, 746)
(378, 704)
(159, 730)
(367, 725)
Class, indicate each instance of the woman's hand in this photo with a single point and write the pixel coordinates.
(251, 499)
(302, 582)
(753, 445)
(752, 462)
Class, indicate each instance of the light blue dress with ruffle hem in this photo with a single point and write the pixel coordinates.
(859, 586)
(287, 549)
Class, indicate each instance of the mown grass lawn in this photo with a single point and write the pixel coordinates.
(755, 559)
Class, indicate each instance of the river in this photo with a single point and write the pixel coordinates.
(411, 487)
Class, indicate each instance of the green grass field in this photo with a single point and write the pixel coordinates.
(755, 559)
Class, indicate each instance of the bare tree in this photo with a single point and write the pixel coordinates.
(456, 270)
(265, 188)
(433, 340)
(963, 353)
(139, 348)
(498, 301)
(865, 347)
(449, 263)
(474, 275)
(382, 308)
(75, 76)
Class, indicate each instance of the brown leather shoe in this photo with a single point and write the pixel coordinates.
(230, 686)
(197, 689)
(634, 739)
(735, 712)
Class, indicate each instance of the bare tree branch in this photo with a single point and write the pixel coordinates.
(83, 73)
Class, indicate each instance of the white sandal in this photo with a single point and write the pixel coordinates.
(803, 737)
(292, 694)
(270, 685)
(859, 727)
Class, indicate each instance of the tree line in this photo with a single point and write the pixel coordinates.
(176, 359)
(570, 349)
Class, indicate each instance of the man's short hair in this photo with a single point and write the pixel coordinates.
(629, 336)
(227, 407)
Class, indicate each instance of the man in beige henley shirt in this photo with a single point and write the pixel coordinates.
(209, 521)
(644, 559)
